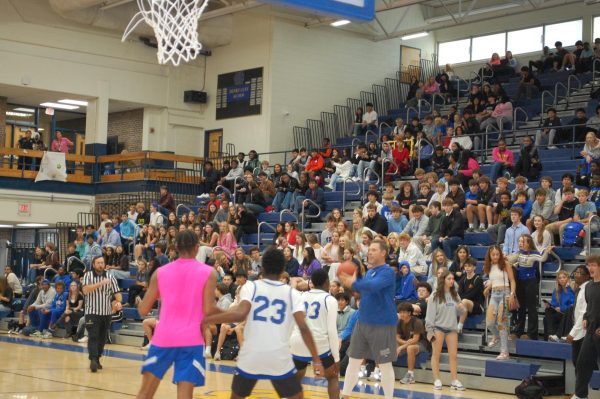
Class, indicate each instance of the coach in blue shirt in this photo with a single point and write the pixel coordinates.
(374, 336)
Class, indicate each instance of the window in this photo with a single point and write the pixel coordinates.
(484, 46)
(566, 32)
(596, 28)
(525, 40)
(454, 52)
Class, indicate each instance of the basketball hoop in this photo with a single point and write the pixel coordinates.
(175, 24)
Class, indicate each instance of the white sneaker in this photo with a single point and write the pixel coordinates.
(37, 334)
(375, 375)
(217, 355)
(207, 352)
(47, 335)
(363, 372)
(553, 147)
(437, 384)
(553, 338)
(583, 253)
(83, 340)
(456, 384)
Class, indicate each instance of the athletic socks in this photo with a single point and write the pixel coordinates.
(351, 377)
(387, 379)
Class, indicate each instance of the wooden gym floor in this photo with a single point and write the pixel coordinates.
(59, 369)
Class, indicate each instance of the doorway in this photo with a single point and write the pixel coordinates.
(410, 63)
(213, 146)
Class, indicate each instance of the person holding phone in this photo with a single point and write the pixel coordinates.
(441, 323)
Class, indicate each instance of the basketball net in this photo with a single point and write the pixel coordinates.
(175, 24)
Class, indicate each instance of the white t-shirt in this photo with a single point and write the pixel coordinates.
(268, 329)
(370, 118)
(321, 317)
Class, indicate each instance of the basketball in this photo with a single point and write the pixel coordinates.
(348, 268)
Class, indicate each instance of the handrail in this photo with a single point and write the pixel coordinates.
(419, 152)
(289, 212)
(571, 77)
(354, 141)
(40, 154)
(258, 234)
(556, 95)
(303, 214)
(588, 227)
(364, 177)
(595, 71)
(408, 113)
(381, 127)
(182, 206)
(420, 106)
(515, 113)
(344, 191)
(371, 133)
(433, 97)
(458, 88)
(543, 110)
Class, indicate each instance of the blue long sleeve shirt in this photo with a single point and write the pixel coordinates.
(347, 332)
(377, 289)
(127, 229)
(567, 299)
(511, 239)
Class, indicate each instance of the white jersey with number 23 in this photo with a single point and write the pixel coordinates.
(268, 329)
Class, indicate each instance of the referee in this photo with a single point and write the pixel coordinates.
(99, 289)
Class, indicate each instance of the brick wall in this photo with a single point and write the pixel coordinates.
(2, 119)
(128, 126)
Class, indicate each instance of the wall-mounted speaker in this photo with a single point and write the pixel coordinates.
(194, 97)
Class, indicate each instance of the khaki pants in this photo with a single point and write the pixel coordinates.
(557, 228)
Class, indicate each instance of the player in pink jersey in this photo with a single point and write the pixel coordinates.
(186, 289)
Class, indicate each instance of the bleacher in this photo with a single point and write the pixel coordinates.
(475, 359)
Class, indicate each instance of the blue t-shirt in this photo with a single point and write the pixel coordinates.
(471, 196)
(582, 210)
(377, 289)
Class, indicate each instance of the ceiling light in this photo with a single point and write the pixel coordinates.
(341, 22)
(18, 114)
(74, 102)
(6, 226)
(30, 110)
(58, 106)
(32, 225)
(415, 35)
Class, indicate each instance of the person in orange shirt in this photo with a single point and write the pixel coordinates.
(316, 162)
(327, 149)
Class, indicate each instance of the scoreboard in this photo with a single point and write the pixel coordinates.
(239, 93)
(357, 10)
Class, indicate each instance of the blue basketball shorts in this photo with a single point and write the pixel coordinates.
(189, 363)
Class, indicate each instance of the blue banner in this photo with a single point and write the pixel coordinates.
(357, 10)
(238, 93)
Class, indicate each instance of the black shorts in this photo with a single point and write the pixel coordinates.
(285, 388)
(327, 362)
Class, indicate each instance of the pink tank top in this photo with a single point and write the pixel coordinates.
(181, 286)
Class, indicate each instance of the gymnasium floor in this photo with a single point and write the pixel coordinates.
(59, 369)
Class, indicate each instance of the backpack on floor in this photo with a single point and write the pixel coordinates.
(530, 388)
(572, 236)
(230, 349)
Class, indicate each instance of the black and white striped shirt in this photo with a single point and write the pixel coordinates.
(98, 302)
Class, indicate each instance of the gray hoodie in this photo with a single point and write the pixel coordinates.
(442, 316)
(44, 299)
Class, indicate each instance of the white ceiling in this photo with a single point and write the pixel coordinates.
(34, 97)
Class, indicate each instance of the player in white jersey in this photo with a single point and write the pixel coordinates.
(270, 309)
(321, 318)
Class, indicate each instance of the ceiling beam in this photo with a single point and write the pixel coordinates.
(479, 18)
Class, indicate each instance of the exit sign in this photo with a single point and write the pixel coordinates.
(357, 10)
(24, 209)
